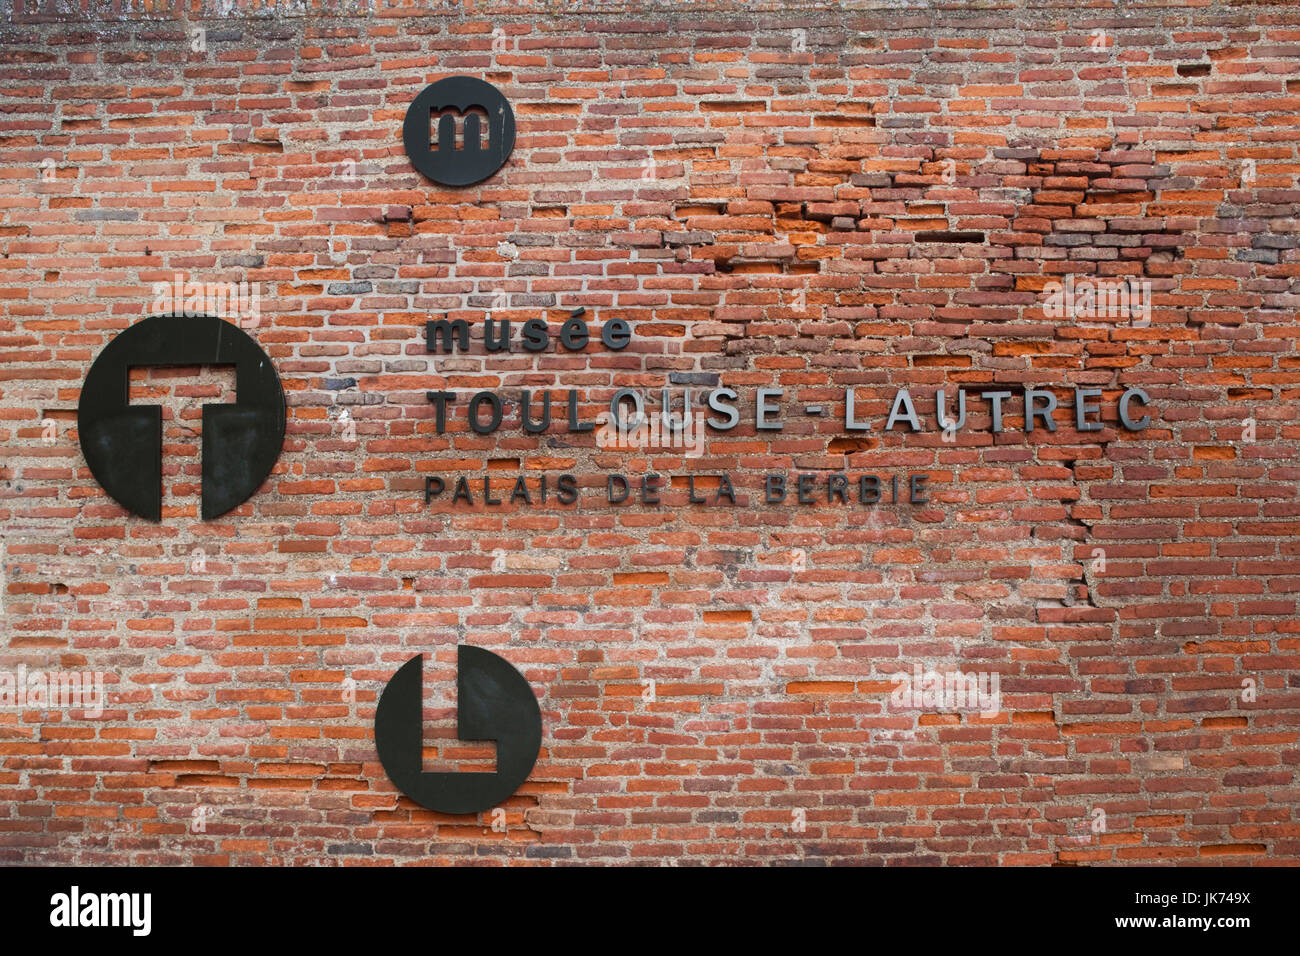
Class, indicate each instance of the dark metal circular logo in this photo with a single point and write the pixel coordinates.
(123, 442)
(459, 159)
(493, 702)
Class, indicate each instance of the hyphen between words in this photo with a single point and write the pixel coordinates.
(626, 423)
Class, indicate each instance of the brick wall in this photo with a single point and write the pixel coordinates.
(774, 197)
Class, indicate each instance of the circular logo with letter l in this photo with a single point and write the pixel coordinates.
(123, 442)
(459, 160)
(493, 702)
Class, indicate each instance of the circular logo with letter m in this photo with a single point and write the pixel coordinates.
(459, 154)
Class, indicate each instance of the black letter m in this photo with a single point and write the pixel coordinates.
(445, 330)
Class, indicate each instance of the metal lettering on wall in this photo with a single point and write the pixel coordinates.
(241, 442)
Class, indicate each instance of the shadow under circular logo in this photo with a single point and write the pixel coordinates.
(123, 443)
(472, 162)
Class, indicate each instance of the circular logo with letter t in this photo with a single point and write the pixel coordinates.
(123, 442)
